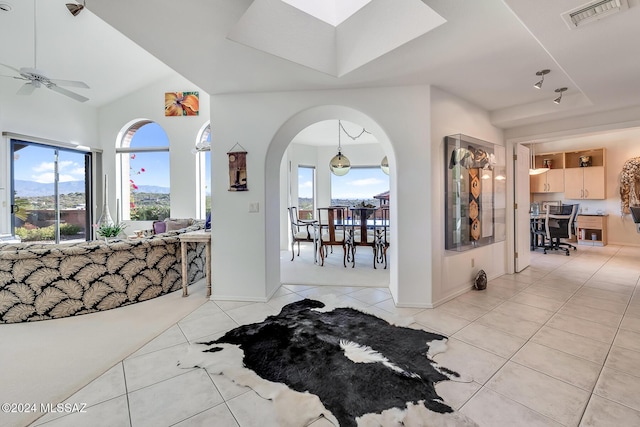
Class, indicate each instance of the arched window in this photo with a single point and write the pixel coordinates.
(143, 167)
(203, 171)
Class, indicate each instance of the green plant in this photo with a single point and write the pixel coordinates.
(69, 229)
(36, 234)
(106, 230)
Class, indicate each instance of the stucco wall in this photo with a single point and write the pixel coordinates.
(148, 103)
(453, 271)
(265, 124)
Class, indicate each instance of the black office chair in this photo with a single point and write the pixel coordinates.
(558, 225)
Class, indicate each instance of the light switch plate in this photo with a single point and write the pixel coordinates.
(254, 207)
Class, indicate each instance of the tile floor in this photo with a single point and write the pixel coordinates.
(556, 345)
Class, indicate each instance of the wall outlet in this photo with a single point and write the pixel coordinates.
(254, 207)
(585, 209)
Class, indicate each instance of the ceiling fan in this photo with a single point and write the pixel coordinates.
(36, 78)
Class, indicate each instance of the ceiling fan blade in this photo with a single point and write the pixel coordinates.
(11, 68)
(70, 83)
(26, 89)
(68, 93)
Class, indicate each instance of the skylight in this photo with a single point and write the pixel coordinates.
(332, 12)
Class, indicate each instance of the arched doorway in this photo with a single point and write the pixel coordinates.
(276, 198)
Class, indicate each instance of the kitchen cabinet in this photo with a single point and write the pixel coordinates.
(551, 181)
(585, 179)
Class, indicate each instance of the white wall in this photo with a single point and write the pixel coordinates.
(246, 247)
(452, 271)
(148, 103)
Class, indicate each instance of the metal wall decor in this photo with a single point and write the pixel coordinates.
(237, 168)
(475, 192)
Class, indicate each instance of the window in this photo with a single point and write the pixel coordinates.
(306, 191)
(203, 171)
(361, 184)
(143, 163)
(49, 192)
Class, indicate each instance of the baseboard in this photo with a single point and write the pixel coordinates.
(237, 298)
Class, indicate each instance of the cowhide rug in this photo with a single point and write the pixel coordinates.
(350, 367)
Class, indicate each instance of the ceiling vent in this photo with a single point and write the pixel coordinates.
(593, 11)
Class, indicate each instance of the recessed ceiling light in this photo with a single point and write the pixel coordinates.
(5, 7)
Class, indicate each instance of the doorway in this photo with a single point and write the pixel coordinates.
(50, 193)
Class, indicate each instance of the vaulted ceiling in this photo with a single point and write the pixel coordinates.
(486, 52)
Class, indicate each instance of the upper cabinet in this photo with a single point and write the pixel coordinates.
(584, 174)
(551, 181)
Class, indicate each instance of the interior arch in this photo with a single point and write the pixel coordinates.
(274, 199)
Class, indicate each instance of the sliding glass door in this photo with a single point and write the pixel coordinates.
(50, 193)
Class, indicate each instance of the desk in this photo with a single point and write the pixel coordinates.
(536, 225)
(198, 236)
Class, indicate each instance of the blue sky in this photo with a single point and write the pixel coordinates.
(35, 163)
(359, 183)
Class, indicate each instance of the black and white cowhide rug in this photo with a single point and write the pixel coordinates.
(350, 367)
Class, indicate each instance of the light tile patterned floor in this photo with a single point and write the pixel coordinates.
(556, 345)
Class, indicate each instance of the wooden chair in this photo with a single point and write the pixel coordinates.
(302, 231)
(332, 226)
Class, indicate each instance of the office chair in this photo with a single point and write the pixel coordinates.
(558, 225)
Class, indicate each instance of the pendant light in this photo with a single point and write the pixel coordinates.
(532, 168)
(384, 165)
(339, 165)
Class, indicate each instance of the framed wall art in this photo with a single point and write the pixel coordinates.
(181, 104)
(237, 168)
(475, 193)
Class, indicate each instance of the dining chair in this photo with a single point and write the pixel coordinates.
(302, 231)
(332, 226)
(381, 232)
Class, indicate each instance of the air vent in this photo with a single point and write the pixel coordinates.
(593, 11)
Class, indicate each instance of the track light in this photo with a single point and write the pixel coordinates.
(75, 8)
(560, 91)
(541, 73)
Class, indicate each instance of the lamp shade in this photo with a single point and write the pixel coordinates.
(340, 165)
(384, 165)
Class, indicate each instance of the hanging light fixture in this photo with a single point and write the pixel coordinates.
(560, 91)
(339, 165)
(384, 165)
(541, 73)
(75, 8)
(532, 167)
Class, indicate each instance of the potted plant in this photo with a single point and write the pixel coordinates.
(109, 230)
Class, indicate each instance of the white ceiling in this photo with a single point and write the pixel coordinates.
(487, 53)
